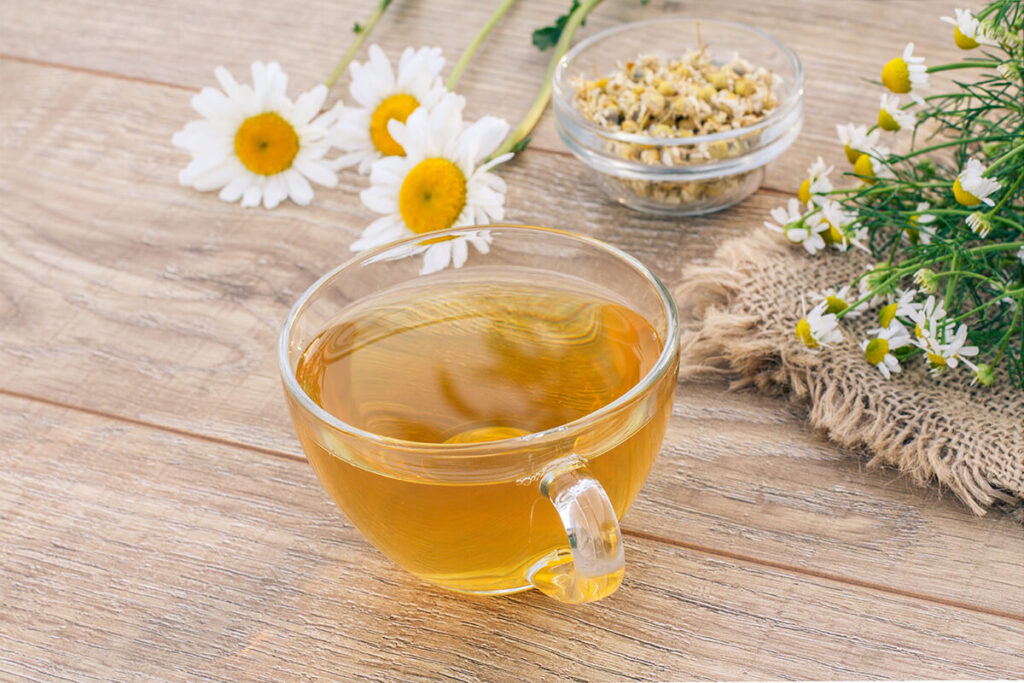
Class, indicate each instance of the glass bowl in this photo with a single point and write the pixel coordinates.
(689, 175)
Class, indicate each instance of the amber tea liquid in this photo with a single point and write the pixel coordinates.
(458, 359)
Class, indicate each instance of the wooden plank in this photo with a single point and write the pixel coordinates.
(132, 551)
(840, 44)
(161, 305)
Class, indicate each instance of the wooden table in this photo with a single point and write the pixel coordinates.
(158, 518)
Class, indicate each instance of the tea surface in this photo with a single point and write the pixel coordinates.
(474, 361)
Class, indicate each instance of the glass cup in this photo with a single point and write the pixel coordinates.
(539, 510)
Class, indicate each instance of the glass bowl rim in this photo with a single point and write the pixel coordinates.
(564, 105)
(500, 447)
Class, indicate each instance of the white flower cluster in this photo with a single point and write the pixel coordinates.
(428, 169)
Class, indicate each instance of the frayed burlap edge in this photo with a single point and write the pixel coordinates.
(722, 340)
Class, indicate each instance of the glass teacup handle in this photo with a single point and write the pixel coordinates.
(596, 566)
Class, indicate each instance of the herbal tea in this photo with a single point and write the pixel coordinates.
(455, 360)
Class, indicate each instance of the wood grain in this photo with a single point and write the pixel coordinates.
(157, 518)
(164, 307)
(841, 44)
(168, 557)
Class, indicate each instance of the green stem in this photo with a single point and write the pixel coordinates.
(1007, 195)
(1006, 337)
(362, 33)
(470, 50)
(953, 280)
(962, 65)
(1005, 246)
(942, 145)
(1006, 157)
(540, 103)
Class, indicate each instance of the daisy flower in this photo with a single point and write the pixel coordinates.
(966, 32)
(919, 220)
(856, 140)
(948, 353)
(906, 74)
(904, 306)
(790, 223)
(382, 96)
(870, 165)
(834, 222)
(818, 328)
(928, 318)
(878, 349)
(836, 301)
(439, 182)
(1020, 254)
(979, 223)
(971, 187)
(891, 116)
(254, 144)
(817, 183)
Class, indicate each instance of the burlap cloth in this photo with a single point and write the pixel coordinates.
(741, 310)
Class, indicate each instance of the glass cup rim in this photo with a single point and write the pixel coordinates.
(563, 99)
(486, 448)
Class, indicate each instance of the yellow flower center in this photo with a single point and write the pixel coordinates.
(865, 169)
(397, 107)
(886, 121)
(834, 304)
(896, 75)
(832, 235)
(875, 350)
(936, 360)
(851, 154)
(803, 333)
(432, 195)
(962, 41)
(804, 193)
(918, 332)
(963, 196)
(887, 315)
(266, 144)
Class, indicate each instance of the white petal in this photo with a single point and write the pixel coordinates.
(232, 192)
(317, 171)
(298, 187)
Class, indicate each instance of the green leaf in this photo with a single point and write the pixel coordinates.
(356, 28)
(547, 37)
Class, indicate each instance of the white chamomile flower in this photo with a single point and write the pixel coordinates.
(918, 231)
(979, 223)
(945, 349)
(816, 185)
(871, 166)
(837, 301)
(789, 221)
(1020, 254)
(856, 140)
(382, 96)
(906, 74)
(818, 328)
(971, 187)
(929, 318)
(837, 223)
(966, 33)
(878, 350)
(891, 116)
(438, 184)
(904, 307)
(254, 143)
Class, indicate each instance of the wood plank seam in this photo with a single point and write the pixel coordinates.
(176, 86)
(641, 535)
